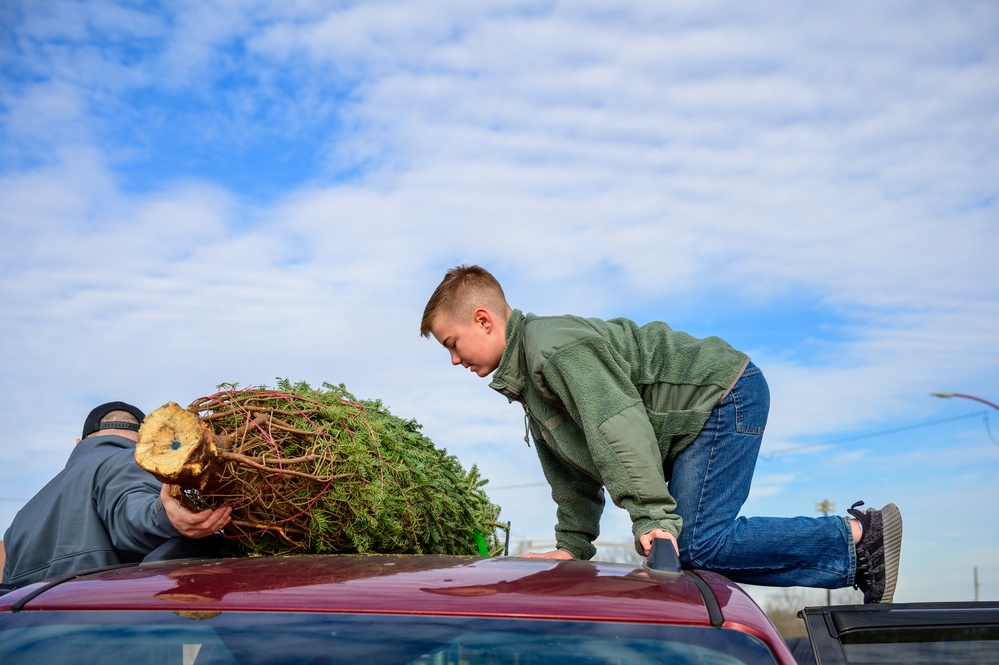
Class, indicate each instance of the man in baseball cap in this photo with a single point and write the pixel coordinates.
(101, 509)
(99, 419)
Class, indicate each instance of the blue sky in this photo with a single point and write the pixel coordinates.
(204, 192)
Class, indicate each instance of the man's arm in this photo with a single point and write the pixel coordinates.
(128, 499)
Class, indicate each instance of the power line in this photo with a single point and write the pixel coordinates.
(984, 414)
(857, 437)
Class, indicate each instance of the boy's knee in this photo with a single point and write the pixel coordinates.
(697, 553)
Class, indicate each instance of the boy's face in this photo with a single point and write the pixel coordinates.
(477, 344)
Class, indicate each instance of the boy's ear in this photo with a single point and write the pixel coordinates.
(483, 317)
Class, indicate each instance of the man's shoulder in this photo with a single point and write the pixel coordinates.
(99, 450)
(110, 443)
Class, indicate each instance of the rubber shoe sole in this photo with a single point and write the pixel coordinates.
(891, 534)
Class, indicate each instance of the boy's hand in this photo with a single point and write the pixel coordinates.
(554, 554)
(646, 540)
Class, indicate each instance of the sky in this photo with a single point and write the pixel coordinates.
(236, 191)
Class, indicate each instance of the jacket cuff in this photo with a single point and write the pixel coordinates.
(579, 547)
(162, 520)
(641, 527)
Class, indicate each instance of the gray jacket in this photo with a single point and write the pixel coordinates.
(102, 509)
(609, 404)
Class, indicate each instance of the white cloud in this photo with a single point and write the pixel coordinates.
(599, 160)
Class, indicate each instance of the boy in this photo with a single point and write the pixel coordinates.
(670, 424)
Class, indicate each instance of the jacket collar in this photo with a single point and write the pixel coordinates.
(510, 376)
(102, 443)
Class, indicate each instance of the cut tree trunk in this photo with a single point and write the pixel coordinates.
(177, 448)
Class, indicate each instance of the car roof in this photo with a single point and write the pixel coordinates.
(407, 584)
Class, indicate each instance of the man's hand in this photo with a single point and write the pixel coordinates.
(646, 540)
(554, 554)
(190, 523)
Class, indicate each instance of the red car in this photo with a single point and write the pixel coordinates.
(417, 610)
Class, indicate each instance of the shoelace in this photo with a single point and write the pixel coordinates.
(863, 568)
(864, 571)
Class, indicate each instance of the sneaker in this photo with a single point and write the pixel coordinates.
(877, 552)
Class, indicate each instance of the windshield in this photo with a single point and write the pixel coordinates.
(248, 638)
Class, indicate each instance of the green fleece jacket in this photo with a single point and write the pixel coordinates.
(609, 404)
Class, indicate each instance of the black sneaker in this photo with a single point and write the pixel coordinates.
(877, 552)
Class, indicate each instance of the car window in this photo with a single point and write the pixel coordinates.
(953, 645)
(251, 638)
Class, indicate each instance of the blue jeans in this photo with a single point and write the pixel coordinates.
(710, 482)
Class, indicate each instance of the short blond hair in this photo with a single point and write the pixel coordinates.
(463, 290)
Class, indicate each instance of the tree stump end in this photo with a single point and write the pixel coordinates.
(175, 446)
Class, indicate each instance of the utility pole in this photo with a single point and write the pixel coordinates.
(825, 506)
(985, 416)
(983, 401)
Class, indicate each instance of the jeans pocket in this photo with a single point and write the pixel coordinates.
(751, 396)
